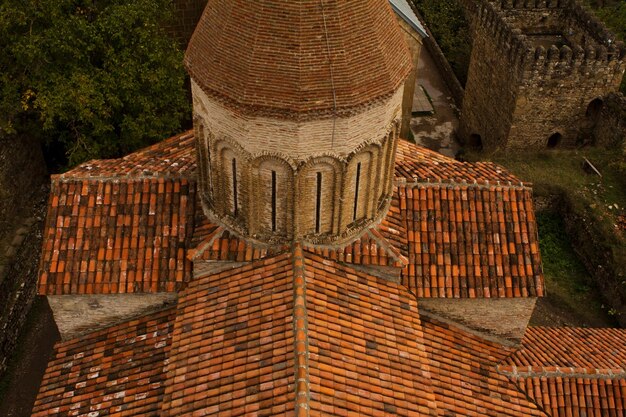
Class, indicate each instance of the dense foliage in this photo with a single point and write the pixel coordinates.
(446, 20)
(90, 78)
(613, 13)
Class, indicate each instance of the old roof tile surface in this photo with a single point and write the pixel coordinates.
(115, 371)
(299, 60)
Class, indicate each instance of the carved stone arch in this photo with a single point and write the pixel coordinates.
(230, 187)
(360, 185)
(203, 156)
(272, 186)
(388, 157)
(318, 195)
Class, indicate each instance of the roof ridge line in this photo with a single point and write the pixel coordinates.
(514, 371)
(126, 177)
(301, 338)
(207, 242)
(387, 246)
(451, 183)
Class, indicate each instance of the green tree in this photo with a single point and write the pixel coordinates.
(91, 78)
(446, 20)
(613, 13)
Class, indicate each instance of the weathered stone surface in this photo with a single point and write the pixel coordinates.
(504, 318)
(79, 314)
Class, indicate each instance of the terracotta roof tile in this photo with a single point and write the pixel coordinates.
(215, 243)
(370, 58)
(174, 156)
(366, 347)
(416, 163)
(572, 371)
(116, 371)
(464, 374)
(117, 236)
(577, 397)
(471, 242)
(572, 348)
(232, 349)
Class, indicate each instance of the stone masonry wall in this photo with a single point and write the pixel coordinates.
(520, 93)
(505, 318)
(610, 129)
(491, 88)
(79, 314)
(18, 279)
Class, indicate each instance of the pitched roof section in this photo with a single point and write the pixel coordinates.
(466, 239)
(418, 164)
(303, 56)
(573, 349)
(404, 10)
(366, 353)
(122, 225)
(572, 371)
(464, 375)
(172, 157)
(115, 371)
(233, 343)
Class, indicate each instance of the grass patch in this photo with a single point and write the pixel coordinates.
(568, 283)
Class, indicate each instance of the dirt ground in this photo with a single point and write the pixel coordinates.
(18, 389)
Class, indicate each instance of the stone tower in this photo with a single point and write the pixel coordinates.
(296, 111)
(538, 73)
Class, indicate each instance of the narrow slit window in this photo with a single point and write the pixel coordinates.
(318, 203)
(273, 201)
(356, 191)
(235, 202)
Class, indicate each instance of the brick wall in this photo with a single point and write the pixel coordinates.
(260, 175)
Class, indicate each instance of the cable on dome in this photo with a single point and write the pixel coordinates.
(332, 78)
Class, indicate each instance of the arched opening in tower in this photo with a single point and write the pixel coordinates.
(475, 141)
(593, 111)
(554, 140)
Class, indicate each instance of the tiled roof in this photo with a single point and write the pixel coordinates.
(572, 371)
(117, 236)
(418, 164)
(233, 345)
(173, 157)
(288, 69)
(366, 353)
(236, 331)
(464, 374)
(216, 243)
(574, 348)
(468, 240)
(564, 396)
(471, 242)
(125, 226)
(116, 371)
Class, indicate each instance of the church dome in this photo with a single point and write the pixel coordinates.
(292, 58)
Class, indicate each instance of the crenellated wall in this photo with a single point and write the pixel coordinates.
(536, 66)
